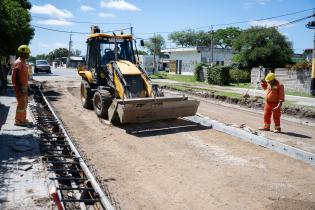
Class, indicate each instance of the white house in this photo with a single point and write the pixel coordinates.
(188, 57)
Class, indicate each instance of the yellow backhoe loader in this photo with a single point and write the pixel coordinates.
(118, 89)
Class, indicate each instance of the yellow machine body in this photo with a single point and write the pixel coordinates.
(133, 97)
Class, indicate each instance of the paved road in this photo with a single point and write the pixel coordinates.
(58, 74)
(298, 100)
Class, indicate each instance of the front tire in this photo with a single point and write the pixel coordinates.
(101, 103)
(86, 95)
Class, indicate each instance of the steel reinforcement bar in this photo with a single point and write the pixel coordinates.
(75, 185)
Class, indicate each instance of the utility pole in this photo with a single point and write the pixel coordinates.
(211, 45)
(311, 25)
(154, 52)
(70, 48)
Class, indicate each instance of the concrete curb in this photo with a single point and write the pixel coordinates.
(287, 150)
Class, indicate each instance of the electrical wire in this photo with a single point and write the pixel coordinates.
(294, 21)
(261, 19)
(84, 22)
(238, 22)
(74, 32)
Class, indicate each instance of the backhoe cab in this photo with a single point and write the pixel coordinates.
(117, 88)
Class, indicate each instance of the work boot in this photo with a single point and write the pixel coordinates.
(25, 123)
(277, 130)
(264, 128)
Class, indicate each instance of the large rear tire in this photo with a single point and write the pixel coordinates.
(86, 95)
(101, 103)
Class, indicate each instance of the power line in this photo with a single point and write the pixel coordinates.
(240, 22)
(261, 19)
(75, 32)
(295, 21)
(85, 22)
(61, 31)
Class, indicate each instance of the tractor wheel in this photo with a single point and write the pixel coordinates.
(86, 96)
(101, 103)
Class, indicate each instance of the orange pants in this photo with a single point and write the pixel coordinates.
(268, 111)
(22, 100)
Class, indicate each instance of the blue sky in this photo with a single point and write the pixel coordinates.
(149, 16)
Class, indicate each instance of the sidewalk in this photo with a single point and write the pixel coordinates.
(298, 100)
(23, 183)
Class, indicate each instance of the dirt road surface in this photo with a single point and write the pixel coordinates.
(182, 165)
(294, 134)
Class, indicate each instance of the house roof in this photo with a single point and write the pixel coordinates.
(181, 49)
(76, 58)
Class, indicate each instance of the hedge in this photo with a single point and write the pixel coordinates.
(239, 75)
(218, 75)
(198, 71)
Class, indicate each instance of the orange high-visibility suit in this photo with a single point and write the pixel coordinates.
(274, 94)
(20, 84)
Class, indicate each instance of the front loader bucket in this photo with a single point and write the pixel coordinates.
(148, 109)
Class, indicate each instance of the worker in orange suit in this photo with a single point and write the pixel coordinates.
(20, 85)
(273, 102)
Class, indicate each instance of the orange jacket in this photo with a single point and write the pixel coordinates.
(275, 93)
(19, 74)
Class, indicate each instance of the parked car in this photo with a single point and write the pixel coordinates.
(30, 70)
(42, 66)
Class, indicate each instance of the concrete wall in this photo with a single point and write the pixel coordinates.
(219, 56)
(189, 60)
(292, 80)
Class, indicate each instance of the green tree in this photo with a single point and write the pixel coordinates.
(61, 52)
(142, 52)
(41, 57)
(190, 38)
(261, 46)
(155, 43)
(15, 25)
(224, 38)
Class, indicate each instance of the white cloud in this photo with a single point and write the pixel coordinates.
(268, 23)
(249, 3)
(119, 5)
(86, 8)
(55, 22)
(262, 2)
(106, 15)
(51, 10)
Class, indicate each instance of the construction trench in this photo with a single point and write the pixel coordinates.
(174, 164)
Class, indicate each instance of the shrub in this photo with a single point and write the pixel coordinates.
(218, 75)
(198, 72)
(239, 75)
(301, 65)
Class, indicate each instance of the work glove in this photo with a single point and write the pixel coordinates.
(24, 89)
(278, 106)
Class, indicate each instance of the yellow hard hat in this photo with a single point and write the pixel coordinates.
(24, 49)
(270, 76)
